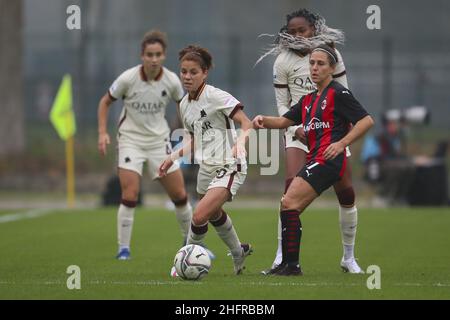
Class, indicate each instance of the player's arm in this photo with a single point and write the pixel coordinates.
(290, 118)
(266, 122)
(188, 147)
(241, 118)
(280, 83)
(358, 130)
(340, 74)
(282, 98)
(282, 95)
(178, 122)
(177, 94)
(351, 110)
(103, 110)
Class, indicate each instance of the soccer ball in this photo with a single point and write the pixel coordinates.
(192, 262)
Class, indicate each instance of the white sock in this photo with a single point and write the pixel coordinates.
(125, 218)
(228, 235)
(349, 251)
(196, 238)
(279, 255)
(348, 220)
(184, 216)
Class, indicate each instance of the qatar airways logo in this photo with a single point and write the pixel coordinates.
(315, 124)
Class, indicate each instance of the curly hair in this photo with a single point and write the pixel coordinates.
(309, 16)
(322, 35)
(197, 54)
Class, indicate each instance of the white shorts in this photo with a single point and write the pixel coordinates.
(229, 177)
(133, 158)
(291, 141)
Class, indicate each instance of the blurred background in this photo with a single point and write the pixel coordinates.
(400, 73)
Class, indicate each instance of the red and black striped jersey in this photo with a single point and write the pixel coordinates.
(326, 118)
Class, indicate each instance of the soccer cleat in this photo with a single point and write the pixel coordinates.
(288, 270)
(275, 268)
(173, 272)
(350, 266)
(239, 261)
(123, 254)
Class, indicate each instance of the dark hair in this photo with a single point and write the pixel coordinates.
(331, 53)
(154, 36)
(309, 16)
(197, 54)
(303, 13)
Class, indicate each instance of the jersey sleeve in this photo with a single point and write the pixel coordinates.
(187, 126)
(226, 103)
(340, 75)
(176, 90)
(295, 113)
(280, 82)
(119, 87)
(348, 107)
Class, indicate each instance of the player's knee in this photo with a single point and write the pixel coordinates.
(130, 194)
(217, 216)
(288, 203)
(180, 199)
(199, 219)
(346, 197)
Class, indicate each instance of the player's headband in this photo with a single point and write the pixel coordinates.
(332, 54)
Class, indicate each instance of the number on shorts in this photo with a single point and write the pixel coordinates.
(221, 173)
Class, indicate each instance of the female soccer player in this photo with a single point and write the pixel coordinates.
(143, 134)
(326, 115)
(209, 115)
(303, 31)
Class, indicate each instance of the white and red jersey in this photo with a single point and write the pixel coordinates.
(142, 121)
(209, 119)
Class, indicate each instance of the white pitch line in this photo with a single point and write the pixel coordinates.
(199, 283)
(24, 215)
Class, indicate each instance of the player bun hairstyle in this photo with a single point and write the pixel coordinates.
(197, 54)
(154, 36)
(331, 53)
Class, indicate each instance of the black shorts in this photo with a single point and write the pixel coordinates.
(320, 176)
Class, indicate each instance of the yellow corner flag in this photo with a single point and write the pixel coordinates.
(63, 119)
(61, 115)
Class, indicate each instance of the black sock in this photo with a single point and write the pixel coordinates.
(291, 233)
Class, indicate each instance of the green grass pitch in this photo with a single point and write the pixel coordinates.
(411, 246)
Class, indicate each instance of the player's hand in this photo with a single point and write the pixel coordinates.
(300, 135)
(334, 150)
(258, 122)
(103, 141)
(165, 166)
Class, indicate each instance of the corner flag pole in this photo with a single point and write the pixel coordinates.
(63, 119)
(70, 173)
